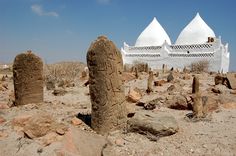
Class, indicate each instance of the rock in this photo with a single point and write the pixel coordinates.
(120, 142)
(149, 82)
(20, 121)
(49, 138)
(156, 124)
(81, 143)
(3, 134)
(159, 83)
(186, 76)
(220, 89)
(4, 106)
(219, 79)
(50, 85)
(127, 76)
(130, 109)
(149, 106)
(2, 120)
(107, 94)
(59, 92)
(211, 104)
(83, 74)
(232, 80)
(214, 90)
(233, 92)
(171, 88)
(170, 77)
(195, 84)
(41, 124)
(178, 102)
(198, 110)
(75, 121)
(134, 95)
(230, 105)
(28, 78)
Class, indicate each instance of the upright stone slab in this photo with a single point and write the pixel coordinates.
(195, 84)
(106, 91)
(150, 82)
(28, 78)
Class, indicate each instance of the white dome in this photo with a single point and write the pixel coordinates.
(153, 35)
(196, 32)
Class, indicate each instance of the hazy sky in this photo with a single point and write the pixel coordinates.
(60, 30)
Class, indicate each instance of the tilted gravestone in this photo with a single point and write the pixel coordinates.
(28, 78)
(105, 65)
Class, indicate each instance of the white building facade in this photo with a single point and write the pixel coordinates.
(196, 42)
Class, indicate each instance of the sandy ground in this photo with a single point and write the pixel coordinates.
(214, 136)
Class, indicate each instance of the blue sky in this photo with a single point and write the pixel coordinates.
(60, 30)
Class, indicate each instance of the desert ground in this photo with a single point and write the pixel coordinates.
(27, 130)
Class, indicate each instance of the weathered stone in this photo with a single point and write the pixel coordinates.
(127, 76)
(83, 74)
(2, 120)
(49, 138)
(134, 95)
(170, 77)
(3, 134)
(59, 92)
(120, 142)
(178, 102)
(75, 121)
(195, 85)
(4, 106)
(230, 105)
(146, 68)
(130, 109)
(20, 121)
(157, 124)
(106, 91)
(198, 105)
(41, 124)
(50, 85)
(214, 90)
(149, 82)
(136, 73)
(149, 106)
(159, 83)
(81, 143)
(220, 89)
(186, 76)
(28, 78)
(219, 79)
(171, 88)
(232, 80)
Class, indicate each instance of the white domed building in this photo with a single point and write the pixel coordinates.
(196, 42)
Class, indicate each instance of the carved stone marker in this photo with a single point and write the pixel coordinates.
(149, 82)
(106, 91)
(198, 102)
(28, 78)
(195, 85)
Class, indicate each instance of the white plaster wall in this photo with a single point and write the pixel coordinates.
(218, 62)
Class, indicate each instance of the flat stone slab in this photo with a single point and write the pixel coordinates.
(157, 124)
(232, 80)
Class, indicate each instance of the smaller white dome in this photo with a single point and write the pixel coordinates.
(153, 35)
(196, 32)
